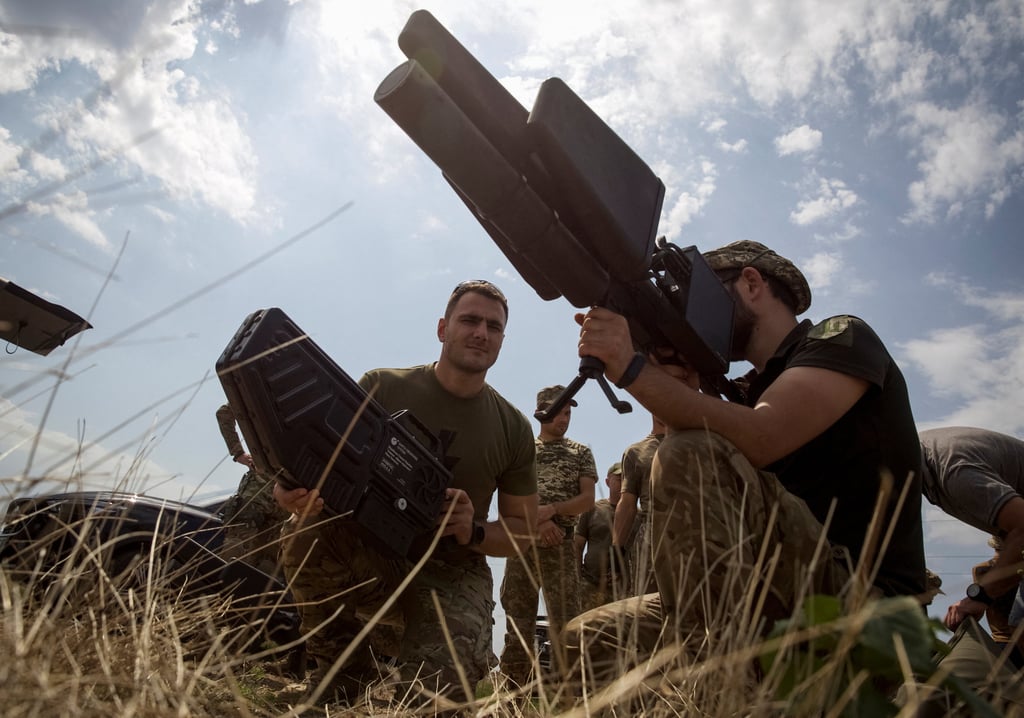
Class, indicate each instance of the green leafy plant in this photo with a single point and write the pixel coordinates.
(854, 664)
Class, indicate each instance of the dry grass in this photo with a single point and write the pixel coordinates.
(82, 642)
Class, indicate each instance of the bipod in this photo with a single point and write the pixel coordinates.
(590, 368)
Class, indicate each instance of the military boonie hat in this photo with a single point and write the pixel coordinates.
(747, 253)
(547, 395)
(615, 468)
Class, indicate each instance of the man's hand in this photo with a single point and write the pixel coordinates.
(676, 366)
(960, 610)
(546, 512)
(549, 534)
(245, 459)
(605, 335)
(301, 502)
(460, 524)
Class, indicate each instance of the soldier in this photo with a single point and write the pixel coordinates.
(566, 475)
(825, 427)
(630, 541)
(977, 476)
(340, 581)
(252, 518)
(593, 545)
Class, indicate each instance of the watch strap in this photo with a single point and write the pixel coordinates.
(479, 533)
(636, 365)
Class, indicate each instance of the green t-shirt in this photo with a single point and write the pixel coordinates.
(636, 471)
(489, 441)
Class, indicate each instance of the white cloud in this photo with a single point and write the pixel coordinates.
(688, 203)
(200, 151)
(821, 268)
(72, 210)
(626, 63)
(968, 151)
(833, 197)
(48, 168)
(715, 126)
(979, 367)
(737, 147)
(12, 176)
(802, 139)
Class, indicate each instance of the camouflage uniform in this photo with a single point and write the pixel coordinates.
(355, 572)
(709, 532)
(560, 466)
(595, 527)
(252, 517)
(636, 480)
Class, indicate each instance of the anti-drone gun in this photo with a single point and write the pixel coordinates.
(567, 201)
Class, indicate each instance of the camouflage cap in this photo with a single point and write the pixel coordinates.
(615, 468)
(747, 253)
(547, 395)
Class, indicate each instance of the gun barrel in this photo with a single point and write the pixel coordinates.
(497, 192)
(484, 100)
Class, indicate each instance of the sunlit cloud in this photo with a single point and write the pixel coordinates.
(833, 197)
(800, 140)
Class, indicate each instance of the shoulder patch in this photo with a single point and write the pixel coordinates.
(830, 328)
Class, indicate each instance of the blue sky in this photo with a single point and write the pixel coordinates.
(878, 144)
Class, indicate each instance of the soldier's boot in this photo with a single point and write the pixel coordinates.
(349, 687)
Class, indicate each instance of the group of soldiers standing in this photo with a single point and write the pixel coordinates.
(591, 564)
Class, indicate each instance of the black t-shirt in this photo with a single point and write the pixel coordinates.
(846, 462)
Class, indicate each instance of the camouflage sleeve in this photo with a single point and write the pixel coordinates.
(226, 422)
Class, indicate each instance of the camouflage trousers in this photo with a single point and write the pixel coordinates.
(733, 551)
(641, 567)
(554, 571)
(253, 524)
(609, 586)
(340, 582)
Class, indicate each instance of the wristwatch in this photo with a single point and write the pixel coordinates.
(975, 592)
(477, 537)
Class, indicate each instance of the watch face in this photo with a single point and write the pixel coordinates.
(976, 593)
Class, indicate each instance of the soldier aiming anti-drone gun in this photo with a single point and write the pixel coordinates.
(571, 206)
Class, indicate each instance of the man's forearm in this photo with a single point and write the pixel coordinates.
(625, 515)
(502, 536)
(578, 504)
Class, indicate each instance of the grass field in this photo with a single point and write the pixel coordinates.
(80, 641)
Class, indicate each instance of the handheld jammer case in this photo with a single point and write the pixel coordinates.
(309, 424)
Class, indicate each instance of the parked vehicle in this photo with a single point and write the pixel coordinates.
(125, 540)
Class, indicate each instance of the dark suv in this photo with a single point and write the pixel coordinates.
(139, 541)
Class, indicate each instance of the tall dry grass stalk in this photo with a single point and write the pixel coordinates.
(82, 639)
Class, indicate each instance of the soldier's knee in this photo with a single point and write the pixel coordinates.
(686, 457)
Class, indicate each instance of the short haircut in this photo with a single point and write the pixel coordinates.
(479, 286)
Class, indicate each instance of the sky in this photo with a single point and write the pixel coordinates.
(168, 167)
